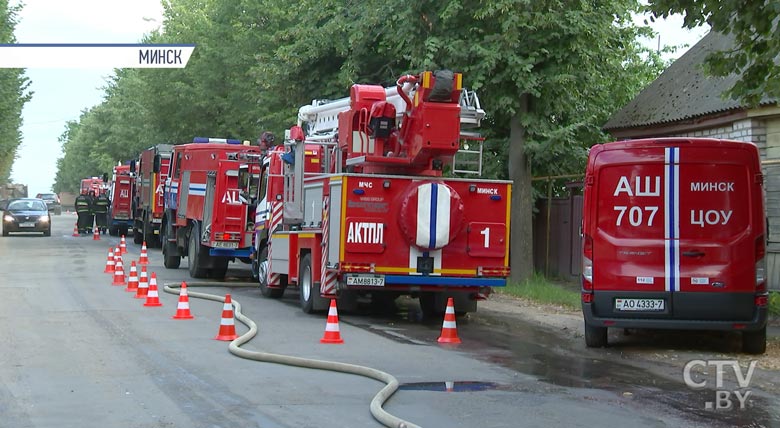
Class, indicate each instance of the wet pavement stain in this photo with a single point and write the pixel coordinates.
(459, 386)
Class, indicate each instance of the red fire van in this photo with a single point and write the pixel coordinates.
(674, 236)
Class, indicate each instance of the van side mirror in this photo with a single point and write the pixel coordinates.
(156, 164)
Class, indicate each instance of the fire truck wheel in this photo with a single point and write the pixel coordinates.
(220, 269)
(170, 262)
(138, 238)
(195, 254)
(306, 285)
(428, 306)
(113, 231)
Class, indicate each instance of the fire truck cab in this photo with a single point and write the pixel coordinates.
(209, 208)
(152, 169)
(120, 212)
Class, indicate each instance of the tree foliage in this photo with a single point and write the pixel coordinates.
(13, 95)
(548, 72)
(755, 27)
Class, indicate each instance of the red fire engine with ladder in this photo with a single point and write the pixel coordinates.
(356, 203)
(209, 217)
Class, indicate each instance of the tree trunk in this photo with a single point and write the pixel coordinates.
(521, 237)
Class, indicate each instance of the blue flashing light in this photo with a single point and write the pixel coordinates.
(359, 191)
(495, 197)
(216, 140)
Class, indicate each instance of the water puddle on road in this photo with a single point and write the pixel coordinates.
(564, 362)
(460, 386)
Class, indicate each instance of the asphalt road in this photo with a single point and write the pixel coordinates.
(76, 351)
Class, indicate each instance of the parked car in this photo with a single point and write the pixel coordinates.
(26, 215)
(52, 201)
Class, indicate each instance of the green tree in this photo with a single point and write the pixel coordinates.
(14, 94)
(755, 28)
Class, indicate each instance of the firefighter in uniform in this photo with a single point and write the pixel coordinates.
(84, 212)
(100, 209)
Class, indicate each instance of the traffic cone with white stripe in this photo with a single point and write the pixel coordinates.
(152, 298)
(143, 285)
(132, 280)
(96, 234)
(449, 330)
(332, 334)
(76, 230)
(122, 246)
(109, 261)
(227, 327)
(143, 260)
(183, 308)
(119, 272)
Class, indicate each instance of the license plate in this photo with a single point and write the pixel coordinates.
(639, 304)
(225, 244)
(27, 225)
(366, 280)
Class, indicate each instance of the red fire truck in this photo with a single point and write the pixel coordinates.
(356, 203)
(209, 210)
(94, 184)
(120, 215)
(148, 202)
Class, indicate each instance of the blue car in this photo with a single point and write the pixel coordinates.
(26, 215)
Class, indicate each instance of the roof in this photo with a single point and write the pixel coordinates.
(682, 91)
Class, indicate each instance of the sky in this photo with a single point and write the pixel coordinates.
(61, 95)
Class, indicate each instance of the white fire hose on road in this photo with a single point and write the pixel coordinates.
(380, 398)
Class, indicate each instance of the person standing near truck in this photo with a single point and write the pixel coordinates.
(84, 211)
(100, 208)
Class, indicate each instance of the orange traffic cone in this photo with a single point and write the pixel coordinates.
(76, 230)
(449, 331)
(183, 308)
(96, 234)
(122, 246)
(132, 280)
(109, 261)
(119, 273)
(143, 285)
(332, 334)
(227, 327)
(144, 259)
(152, 298)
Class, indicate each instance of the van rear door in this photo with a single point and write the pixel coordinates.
(675, 228)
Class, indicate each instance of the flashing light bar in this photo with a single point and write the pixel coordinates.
(215, 140)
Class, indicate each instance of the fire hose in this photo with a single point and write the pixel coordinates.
(391, 383)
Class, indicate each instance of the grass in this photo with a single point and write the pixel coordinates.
(542, 290)
(774, 303)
